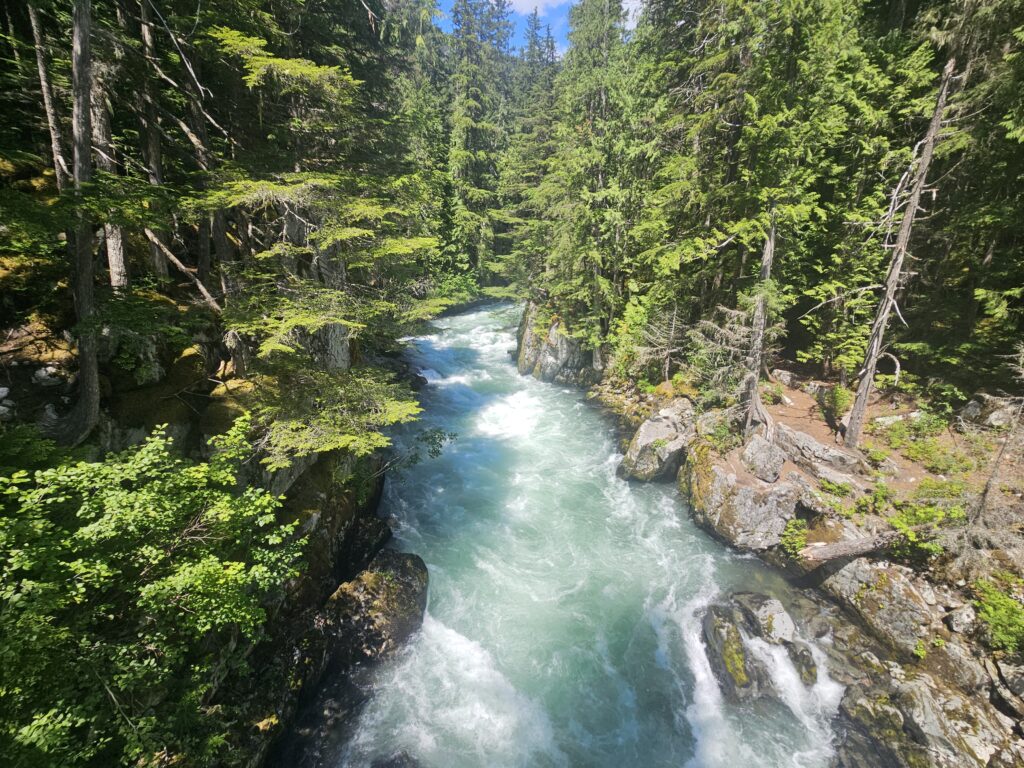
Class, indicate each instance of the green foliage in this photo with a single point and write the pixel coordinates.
(794, 537)
(1000, 609)
(916, 438)
(834, 403)
(841, 490)
(131, 587)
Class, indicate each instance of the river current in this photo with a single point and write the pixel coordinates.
(563, 623)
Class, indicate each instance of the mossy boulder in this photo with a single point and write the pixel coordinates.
(659, 446)
(741, 676)
(380, 608)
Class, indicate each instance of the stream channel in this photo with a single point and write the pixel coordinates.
(564, 618)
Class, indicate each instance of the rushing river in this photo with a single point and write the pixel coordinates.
(563, 625)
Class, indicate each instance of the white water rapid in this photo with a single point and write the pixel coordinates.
(563, 625)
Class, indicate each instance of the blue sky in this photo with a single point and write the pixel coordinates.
(552, 12)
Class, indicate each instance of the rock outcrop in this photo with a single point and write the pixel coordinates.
(907, 720)
(659, 446)
(726, 628)
(749, 514)
(546, 351)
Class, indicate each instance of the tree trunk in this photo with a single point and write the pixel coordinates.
(104, 148)
(77, 425)
(151, 135)
(60, 167)
(894, 277)
(755, 410)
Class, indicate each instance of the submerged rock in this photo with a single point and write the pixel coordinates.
(659, 445)
(398, 760)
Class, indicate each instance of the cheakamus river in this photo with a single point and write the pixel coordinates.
(563, 626)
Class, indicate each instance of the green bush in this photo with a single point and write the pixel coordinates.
(794, 537)
(834, 403)
(842, 490)
(131, 589)
(1002, 614)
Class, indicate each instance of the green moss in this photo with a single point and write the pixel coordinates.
(734, 657)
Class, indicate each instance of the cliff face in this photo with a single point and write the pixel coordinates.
(547, 352)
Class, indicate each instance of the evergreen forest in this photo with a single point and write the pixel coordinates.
(219, 221)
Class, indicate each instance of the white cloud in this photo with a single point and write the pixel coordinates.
(526, 7)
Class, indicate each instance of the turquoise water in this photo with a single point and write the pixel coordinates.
(563, 625)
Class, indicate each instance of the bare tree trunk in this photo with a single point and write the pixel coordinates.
(151, 134)
(77, 425)
(13, 40)
(756, 413)
(894, 277)
(103, 145)
(60, 167)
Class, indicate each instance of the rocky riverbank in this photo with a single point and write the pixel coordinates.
(920, 689)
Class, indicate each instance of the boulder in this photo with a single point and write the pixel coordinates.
(380, 608)
(788, 378)
(741, 676)
(765, 617)
(4, 392)
(47, 376)
(988, 411)
(904, 720)
(808, 453)
(747, 516)
(887, 598)
(6, 413)
(763, 458)
(659, 446)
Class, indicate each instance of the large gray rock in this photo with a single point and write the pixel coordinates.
(748, 517)
(766, 617)
(808, 453)
(988, 411)
(659, 445)
(902, 609)
(910, 721)
(764, 459)
(550, 354)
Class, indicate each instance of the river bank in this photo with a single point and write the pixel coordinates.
(922, 691)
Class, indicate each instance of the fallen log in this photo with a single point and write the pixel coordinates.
(819, 552)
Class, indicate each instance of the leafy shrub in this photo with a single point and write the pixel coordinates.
(131, 588)
(834, 403)
(1002, 613)
(794, 537)
(771, 393)
(841, 490)
(916, 439)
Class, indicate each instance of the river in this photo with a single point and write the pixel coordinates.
(563, 624)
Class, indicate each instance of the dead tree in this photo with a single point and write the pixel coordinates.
(894, 278)
(103, 145)
(152, 150)
(60, 167)
(756, 415)
(664, 340)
